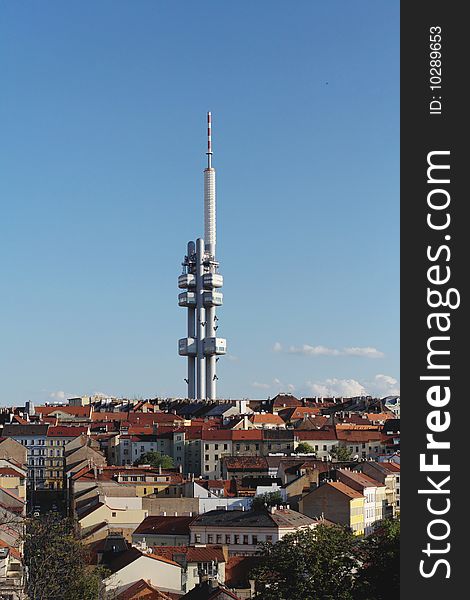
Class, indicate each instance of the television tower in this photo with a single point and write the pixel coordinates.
(202, 281)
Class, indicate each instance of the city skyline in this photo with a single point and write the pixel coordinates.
(102, 155)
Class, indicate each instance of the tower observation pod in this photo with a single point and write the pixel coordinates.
(202, 281)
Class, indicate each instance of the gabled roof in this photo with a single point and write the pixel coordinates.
(341, 487)
(75, 411)
(158, 525)
(285, 400)
(139, 589)
(132, 554)
(266, 418)
(357, 480)
(391, 466)
(209, 591)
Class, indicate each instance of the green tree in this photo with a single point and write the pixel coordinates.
(155, 459)
(341, 453)
(265, 500)
(310, 564)
(57, 562)
(304, 448)
(379, 576)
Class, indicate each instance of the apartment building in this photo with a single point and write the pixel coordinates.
(337, 502)
(33, 437)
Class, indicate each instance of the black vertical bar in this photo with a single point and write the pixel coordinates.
(433, 120)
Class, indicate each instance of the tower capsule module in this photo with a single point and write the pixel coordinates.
(202, 281)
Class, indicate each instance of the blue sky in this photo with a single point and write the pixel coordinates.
(102, 115)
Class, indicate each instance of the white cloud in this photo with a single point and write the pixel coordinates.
(309, 350)
(60, 395)
(367, 351)
(336, 387)
(380, 386)
(385, 385)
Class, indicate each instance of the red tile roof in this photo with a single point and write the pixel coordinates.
(391, 466)
(66, 431)
(10, 472)
(358, 435)
(164, 525)
(142, 590)
(268, 418)
(76, 411)
(343, 488)
(250, 434)
(357, 480)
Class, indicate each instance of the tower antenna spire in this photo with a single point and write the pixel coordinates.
(209, 140)
(202, 280)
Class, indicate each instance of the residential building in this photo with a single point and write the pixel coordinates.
(33, 438)
(196, 562)
(322, 441)
(374, 496)
(163, 531)
(336, 502)
(242, 530)
(129, 566)
(387, 474)
(56, 439)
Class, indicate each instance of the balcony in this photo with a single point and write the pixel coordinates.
(212, 280)
(214, 345)
(187, 299)
(213, 298)
(187, 347)
(187, 280)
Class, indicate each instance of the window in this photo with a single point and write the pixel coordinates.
(225, 447)
(245, 539)
(210, 538)
(228, 539)
(237, 447)
(145, 491)
(206, 457)
(269, 538)
(216, 457)
(167, 491)
(218, 538)
(155, 490)
(207, 446)
(254, 540)
(206, 468)
(197, 538)
(257, 446)
(236, 539)
(113, 514)
(216, 446)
